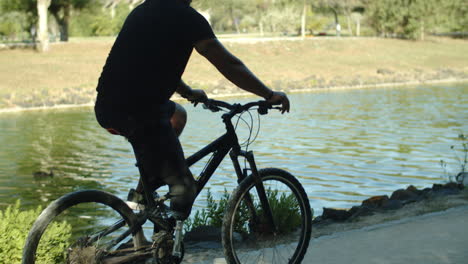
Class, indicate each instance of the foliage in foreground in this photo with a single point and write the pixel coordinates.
(212, 215)
(285, 207)
(14, 228)
(462, 161)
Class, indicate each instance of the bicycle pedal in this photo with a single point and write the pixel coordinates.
(135, 206)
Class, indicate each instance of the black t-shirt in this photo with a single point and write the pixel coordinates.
(150, 54)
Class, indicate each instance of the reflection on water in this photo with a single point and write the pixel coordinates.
(343, 145)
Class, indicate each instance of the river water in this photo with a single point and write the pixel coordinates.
(344, 146)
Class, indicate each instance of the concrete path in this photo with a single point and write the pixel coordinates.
(437, 238)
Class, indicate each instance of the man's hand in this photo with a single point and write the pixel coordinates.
(280, 98)
(193, 95)
(196, 96)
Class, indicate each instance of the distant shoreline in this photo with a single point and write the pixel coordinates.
(243, 94)
(67, 75)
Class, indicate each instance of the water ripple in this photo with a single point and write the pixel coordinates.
(344, 146)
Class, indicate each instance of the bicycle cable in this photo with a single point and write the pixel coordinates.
(250, 126)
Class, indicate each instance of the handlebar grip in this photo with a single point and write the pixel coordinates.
(263, 107)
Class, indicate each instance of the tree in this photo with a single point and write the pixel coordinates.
(338, 7)
(306, 6)
(17, 17)
(228, 14)
(356, 16)
(61, 10)
(42, 26)
(404, 18)
(457, 14)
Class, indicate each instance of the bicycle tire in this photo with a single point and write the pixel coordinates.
(243, 238)
(61, 205)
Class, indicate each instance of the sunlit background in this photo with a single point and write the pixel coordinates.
(344, 145)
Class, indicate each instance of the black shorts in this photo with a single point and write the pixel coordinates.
(124, 120)
(157, 149)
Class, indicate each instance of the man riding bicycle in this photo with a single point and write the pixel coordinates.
(142, 72)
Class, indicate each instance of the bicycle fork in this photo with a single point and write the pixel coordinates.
(260, 188)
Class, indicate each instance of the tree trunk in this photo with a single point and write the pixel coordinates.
(262, 32)
(422, 30)
(304, 20)
(42, 28)
(337, 23)
(350, 29)
(234, 20)
(65, 23)
(112, 10)
(358, 27)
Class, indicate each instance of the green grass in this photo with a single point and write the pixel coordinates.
(14, 228)
(68, 73)
(285, 208)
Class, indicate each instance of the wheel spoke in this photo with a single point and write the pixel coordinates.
(81, 227)
(291, 213)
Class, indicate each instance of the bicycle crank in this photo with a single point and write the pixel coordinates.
(163, 246)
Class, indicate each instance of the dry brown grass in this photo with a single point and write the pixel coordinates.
(68, 73)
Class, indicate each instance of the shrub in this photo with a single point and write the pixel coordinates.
(96, 21)
(13, 25)
(14, 228)
(462, 160)
(285, 209)
(212, 215)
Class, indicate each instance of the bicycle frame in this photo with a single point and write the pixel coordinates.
(219, 148)
(229, 143)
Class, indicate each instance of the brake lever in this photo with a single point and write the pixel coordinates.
(211, 108)
(263, 107)
(262, 110)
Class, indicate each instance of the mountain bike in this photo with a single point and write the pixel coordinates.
(267, 218)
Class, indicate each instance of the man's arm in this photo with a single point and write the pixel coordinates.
(190, 94)
(183, 89)
(235, 71)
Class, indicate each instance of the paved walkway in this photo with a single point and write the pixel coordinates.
(437, 238)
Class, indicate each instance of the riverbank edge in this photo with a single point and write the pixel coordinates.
(402, 203)
(244, 94)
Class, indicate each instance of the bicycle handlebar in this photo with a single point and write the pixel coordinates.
(216, 105)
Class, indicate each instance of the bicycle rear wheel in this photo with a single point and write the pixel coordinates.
(92, 220)
(247, 238)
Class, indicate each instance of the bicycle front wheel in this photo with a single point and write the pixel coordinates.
(247, 237)
(80, 227)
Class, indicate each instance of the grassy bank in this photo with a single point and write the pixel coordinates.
(68, 73)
